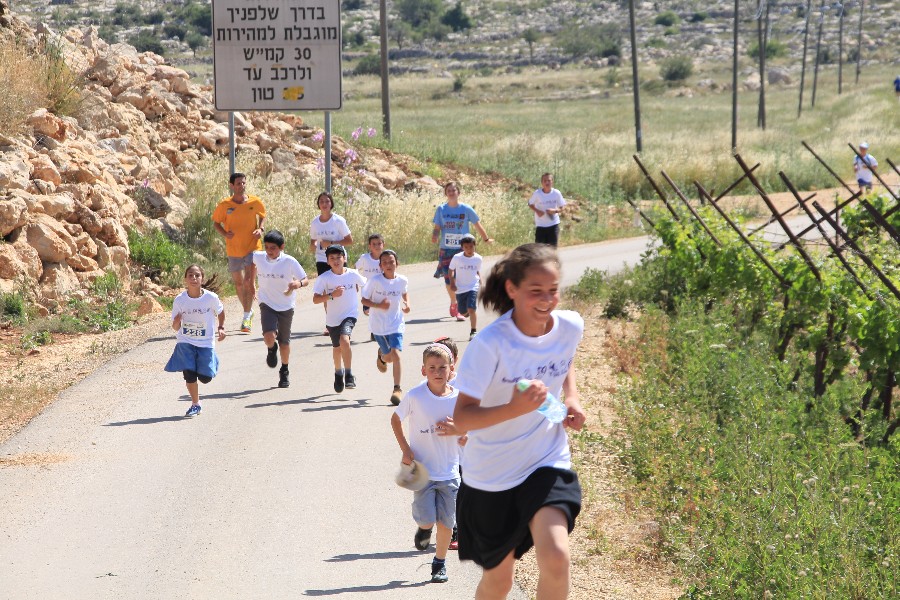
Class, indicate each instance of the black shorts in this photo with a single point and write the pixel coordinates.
(547, 235)
(345, 328)
(278, 321)
(491, 524)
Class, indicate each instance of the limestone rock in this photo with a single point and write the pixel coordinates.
(43, 168)
(148, 306)
(58, 281)
(13, 212)
(50, 239)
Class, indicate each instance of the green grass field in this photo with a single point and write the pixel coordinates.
(579, 124)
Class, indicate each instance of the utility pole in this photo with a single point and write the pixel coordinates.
(734, 79)
(803, 64)
(634, 78)
(862, 6)
(762, 30)
(840, 49)
(818, 51)
(385, 92)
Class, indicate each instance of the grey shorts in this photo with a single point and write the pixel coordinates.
(345, 328)
(277, 321)
(436, 503)
(240, 263)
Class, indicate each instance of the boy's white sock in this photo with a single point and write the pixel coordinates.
(248, 314)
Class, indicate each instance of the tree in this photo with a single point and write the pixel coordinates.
(530, 36)
(419, 12)
(400, 32)
(456, 18)
(195, 41)
(147, 41)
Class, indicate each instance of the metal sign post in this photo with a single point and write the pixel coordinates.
(280, 55)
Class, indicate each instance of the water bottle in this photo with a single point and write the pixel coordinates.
(552, 409)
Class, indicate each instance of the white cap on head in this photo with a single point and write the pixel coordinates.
(864, 145)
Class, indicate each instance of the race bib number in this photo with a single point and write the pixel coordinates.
(193, 330)
(451, 240)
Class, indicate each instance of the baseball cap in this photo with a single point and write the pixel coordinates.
(335, 249)
(864, 145)
(467, 239)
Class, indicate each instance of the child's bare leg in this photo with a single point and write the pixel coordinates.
(551, 545)
(452, 294)
(285, 351)
(442, 542)
(473, 319)
(194, 390)
(396, 367)
(345, 353)
(269, 338)
(336, 356)
(496, 583)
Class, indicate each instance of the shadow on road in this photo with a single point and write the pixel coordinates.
(391, 585)
(147, 421)
(356, 404)
(286, 402)
(377, 555)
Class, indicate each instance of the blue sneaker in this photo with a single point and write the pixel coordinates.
(193, 410)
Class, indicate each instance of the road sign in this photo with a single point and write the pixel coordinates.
(277, 54)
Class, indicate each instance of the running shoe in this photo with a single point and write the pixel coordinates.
(473, 333)
(349, 381)
(193, 411)
(246, 323)
(462, 317)
(422, 539)
(283, 380)
(272, 356)
(454, 309)
(382, 366)
(438, 573)
(396, 395)
(338, 382)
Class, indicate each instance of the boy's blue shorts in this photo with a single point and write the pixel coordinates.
(187, 357)
(466, 301)
(389, 341)
(436, 503)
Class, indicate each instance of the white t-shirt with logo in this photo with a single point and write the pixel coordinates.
(334, 229)
(367, 266)
(345, 305)
(199, 318)
(542, 202)
(864, 168)
(467, 272)
(379, 287)
(422, 410)
(502, 456)
(274, 276)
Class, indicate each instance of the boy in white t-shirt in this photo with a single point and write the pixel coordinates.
(340, 288)
(465, 280)
(387, 295)
(547, 204)
(864, 167)
(279, 275)
(368, 266)
(433, 441)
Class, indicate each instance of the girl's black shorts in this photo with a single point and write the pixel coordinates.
(491, 524)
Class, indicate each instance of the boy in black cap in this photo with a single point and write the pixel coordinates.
(340, 288)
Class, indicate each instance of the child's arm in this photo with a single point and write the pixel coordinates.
(384, 304)
(176, 322)
(483, 233)
(321, 298)
(405, 307)
(397, 426)
(536, 210)
(434, 233)
(221, 330)
(576, 415)
(296, 284)
(470, 415)
(452, 280)
(447, 426)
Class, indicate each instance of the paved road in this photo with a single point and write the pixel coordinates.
(269, 493)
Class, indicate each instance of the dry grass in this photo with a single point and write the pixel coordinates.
(22, 86)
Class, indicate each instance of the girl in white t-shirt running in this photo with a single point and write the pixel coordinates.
(518, 489)
(196, 312)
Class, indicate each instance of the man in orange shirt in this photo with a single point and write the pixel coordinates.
(239, 219)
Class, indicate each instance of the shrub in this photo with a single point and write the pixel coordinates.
(456, 18)
(175, 30)
(592, 41)
(63, 85)
(677, 68)
(666, 19)
(157, 253)
(13, 306)
(774, 49)
(459, 82)
(147, 41)
(698, 17)
(368, 65)
(22, 86)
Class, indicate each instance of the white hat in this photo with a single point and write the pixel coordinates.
(864, 145)
(413, 476)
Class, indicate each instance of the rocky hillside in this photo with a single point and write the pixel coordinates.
(72, 187)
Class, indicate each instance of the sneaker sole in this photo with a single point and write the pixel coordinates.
(395, 400)
(339, 388)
